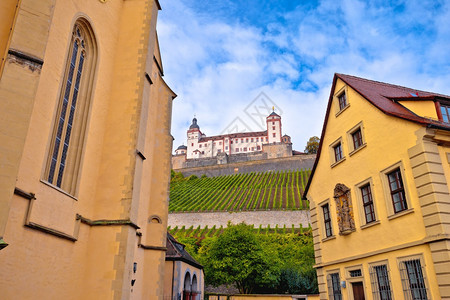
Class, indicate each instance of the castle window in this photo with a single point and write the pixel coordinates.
(246, 140)
(220, 143)
(66, 144)
(237, 149)
(226, 147)
(200, 145)
(251, 140)
(192, 144)
(257, 139)
(267, 139)
(258, 147)
(242, 140)
(274, 135)
(203, 152)
(273, 123)
(273, 127)
(253, 148)
(245, 148)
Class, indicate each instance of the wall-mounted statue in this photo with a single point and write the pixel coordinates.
(344, 209)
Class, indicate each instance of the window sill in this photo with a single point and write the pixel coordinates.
(370, 224)
(356, 150)
(338, 162)
(58, 189)
(329, 238)
(400, 214)
(342, 110)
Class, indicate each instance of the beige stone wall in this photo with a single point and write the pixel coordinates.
(59, 244)
(264, 218)
(277, 150)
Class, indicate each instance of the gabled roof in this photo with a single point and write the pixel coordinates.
(175, 251)
(385, 97)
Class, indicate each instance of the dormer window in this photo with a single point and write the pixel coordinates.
(445, 111)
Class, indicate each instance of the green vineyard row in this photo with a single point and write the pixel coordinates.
(280, 190)
(199, 232)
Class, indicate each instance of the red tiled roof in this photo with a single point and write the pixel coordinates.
(233, 136)
(384, 96)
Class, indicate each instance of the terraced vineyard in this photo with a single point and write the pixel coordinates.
(280, 190)
(198, 232)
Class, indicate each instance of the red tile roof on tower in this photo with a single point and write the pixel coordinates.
(385, 97)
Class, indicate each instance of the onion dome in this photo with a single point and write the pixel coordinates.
(194, 124)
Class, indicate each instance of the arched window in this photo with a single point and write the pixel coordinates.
(74, 101)
(194, 289)
(187, 287)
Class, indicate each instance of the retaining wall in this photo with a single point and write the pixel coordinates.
(276, 164)
(261, 217)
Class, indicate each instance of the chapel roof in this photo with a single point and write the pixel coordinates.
(176, 251)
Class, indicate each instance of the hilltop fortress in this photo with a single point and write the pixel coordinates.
(232, 148)
(264, 194)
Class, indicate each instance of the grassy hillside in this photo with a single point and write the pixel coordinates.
(280, 190)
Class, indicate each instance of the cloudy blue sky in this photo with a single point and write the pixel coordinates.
(230, 61)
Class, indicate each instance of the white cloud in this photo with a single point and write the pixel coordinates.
(218, 65)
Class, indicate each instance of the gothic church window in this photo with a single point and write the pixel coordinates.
(64, 159)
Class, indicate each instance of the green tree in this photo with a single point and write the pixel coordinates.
(312, 146)
(237, 256)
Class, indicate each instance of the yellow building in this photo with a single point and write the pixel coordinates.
(85, 150)
(380, 205)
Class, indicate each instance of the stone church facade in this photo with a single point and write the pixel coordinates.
(83, 189)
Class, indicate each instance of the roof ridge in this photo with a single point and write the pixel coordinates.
(385, 83)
